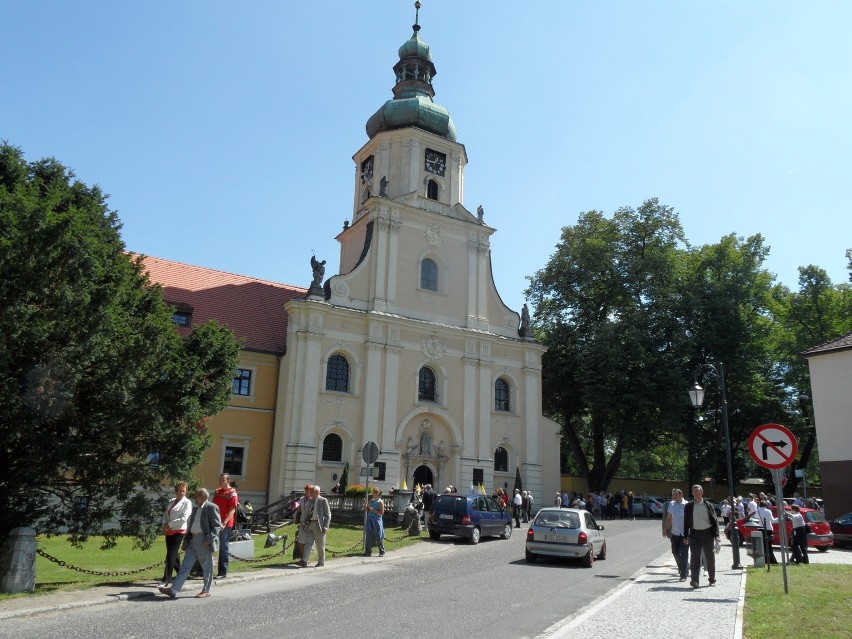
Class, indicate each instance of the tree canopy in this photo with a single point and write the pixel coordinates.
(101, 399)
(632, 314)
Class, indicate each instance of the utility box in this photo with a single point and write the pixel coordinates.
(757, 548)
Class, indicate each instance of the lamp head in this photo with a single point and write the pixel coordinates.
(696, 395)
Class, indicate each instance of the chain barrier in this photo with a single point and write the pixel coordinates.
(121, 573)
(100, 573)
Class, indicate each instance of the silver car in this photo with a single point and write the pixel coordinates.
(566, 532)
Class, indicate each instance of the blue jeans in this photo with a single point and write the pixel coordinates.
(198, 549)
(224, 550)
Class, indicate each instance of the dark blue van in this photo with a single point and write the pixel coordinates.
(468, 516)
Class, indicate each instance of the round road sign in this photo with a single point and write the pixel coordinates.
(773, 446)
(370, 453)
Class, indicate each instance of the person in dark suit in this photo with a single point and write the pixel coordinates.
(700, 530)
(202, 538)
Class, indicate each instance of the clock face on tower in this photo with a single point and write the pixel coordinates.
(367, 170)
(436, 162)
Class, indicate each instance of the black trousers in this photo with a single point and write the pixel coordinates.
(701, 540)
(800, 545)
(173, 543)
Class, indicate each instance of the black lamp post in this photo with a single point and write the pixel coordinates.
(696, 395)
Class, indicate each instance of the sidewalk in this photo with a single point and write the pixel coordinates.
(654, 603)
(62, 600)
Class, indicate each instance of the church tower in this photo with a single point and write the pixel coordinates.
(410, 345)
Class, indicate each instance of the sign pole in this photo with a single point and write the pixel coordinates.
(782, 524)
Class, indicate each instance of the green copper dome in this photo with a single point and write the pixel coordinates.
(412, 103)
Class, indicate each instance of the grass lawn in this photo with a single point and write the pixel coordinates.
(342, 540)
(819, 602)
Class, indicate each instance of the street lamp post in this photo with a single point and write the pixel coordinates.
(696, 395)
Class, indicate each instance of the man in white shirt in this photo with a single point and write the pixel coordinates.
(673, 529)
(701, 529)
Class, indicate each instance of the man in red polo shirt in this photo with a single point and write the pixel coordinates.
(226, 499)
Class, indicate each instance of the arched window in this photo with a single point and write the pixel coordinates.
(432, 190)
(337, 374)
(501, 460)
(426, 385)
(332, 448)
(429, 275)
(501, 395)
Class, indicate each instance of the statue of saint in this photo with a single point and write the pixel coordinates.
(383, 186)
(525, 321)
(319, 271)
(480, 213)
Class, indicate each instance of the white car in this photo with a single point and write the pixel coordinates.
(565, 532)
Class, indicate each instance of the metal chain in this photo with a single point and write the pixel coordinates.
(101, 573)
(262, 559)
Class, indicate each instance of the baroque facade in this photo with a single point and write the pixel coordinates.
(409, 346)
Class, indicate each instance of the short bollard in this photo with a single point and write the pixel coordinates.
(17, 561)
(757, 549)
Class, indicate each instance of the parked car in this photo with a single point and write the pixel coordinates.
(842, 529)
(468, 516)
(820, 536)
(655, 506)
(565, 532)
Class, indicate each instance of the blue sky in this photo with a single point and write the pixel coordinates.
(224, 131)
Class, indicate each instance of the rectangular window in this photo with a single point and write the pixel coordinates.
(381, 467)
(234, 458)
(478, 477)
(182, 319)
(242, 382)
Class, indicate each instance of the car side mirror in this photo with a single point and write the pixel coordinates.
(600, 527)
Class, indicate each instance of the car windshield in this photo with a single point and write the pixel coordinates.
(558, 520)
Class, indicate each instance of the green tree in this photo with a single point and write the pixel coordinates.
(101, 399)
(518, 482)
(817, 313)
(612, 373)
(344, 479)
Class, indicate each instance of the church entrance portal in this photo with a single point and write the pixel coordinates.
(422, 476)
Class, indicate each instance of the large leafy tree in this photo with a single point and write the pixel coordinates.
(101, 400)
(818, 312)
(612, 372)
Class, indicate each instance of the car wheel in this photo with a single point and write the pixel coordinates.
(589, 559)
(822, 548)
(507, 531)
(434, 535)
(475, 535)
(602, 553)
(531, 557)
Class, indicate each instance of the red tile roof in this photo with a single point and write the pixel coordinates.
(252, 308)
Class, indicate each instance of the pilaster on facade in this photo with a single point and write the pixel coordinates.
(532, 413)
(391, 391)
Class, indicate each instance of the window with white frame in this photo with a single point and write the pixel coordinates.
(337, 374)
(428, 275)
(242, 382)
(502, 401)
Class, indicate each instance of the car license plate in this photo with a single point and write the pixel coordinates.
(445, 516)
(559, 538)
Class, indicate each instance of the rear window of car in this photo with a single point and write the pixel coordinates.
(562, 519)
(815, 517)
(454, 505)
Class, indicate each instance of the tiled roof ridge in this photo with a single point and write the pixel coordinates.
(837, 344)
(216, 270)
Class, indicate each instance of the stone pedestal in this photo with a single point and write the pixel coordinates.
(17, 561)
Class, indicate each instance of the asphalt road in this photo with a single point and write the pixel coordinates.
(486, 591)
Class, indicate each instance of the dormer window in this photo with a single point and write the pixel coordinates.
(432, 190)
(182, 314)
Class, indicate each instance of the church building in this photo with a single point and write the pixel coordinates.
(408, 346)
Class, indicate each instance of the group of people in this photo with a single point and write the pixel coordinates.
(521, 503)
(693, 530)
(604, 505)
(200, 531)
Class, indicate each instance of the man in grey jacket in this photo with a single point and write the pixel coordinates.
(201, 541)
(320, 520)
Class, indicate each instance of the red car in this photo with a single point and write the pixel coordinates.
(820, 536)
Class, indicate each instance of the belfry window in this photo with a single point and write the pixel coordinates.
(432, 190)
(429, 275)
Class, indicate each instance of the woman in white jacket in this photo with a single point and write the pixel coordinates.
(174, 526)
